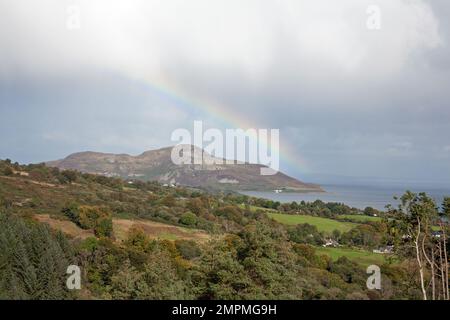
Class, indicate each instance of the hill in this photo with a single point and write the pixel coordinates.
(156, 165)
(145, 240)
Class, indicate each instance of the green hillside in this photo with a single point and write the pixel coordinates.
(359, 218)
(361, 257)
(322, 224)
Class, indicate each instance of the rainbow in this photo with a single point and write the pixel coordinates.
(225, 115)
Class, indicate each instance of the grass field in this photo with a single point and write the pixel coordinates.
(361, 257)
(255, 208)
(322, 224)
(359, 218)
(155, 230)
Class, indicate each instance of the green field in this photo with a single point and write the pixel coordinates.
(255, 208)
(322, 224)
(361, 257)
(359, 218)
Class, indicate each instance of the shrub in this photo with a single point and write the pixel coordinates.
(103, 227)
(68, 176)
(7, 171)
(91, 217)
(137, 239)
(188, 219)
(188, 249)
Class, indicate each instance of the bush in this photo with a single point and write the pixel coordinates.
(369, 211)
(5, 203)
(68, 176)
(7, 171)
(188, 249)
(90, 217)
(188, 219)
(71, 212)
(137, 239)
(103, 227)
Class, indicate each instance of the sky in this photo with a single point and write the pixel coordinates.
(352, 103)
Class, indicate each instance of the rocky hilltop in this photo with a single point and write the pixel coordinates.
(156, 165)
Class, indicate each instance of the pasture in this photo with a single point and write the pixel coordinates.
(323, 224)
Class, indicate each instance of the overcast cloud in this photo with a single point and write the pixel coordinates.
(350, 101)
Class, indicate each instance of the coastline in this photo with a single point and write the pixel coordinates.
(354, 196)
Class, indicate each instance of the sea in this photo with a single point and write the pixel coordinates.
(353, 195)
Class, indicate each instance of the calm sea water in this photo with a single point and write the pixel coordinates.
(354, 196)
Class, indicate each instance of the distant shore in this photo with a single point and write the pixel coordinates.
(355, 196)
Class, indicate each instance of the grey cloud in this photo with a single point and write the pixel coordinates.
(349, 100)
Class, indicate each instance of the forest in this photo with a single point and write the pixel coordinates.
(143, 240)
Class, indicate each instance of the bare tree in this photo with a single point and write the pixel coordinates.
(419, 261)
(441, 264)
